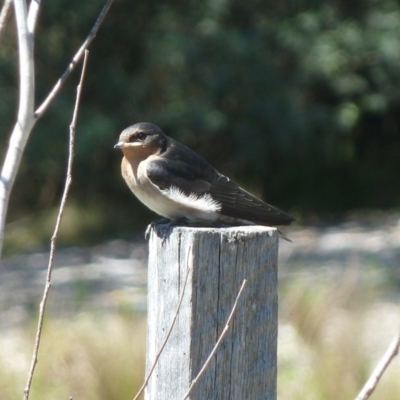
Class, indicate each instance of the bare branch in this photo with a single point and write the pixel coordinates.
(25, 118)
(223, 333)
(55, 234)
(92, 34)
(4, 14)
(380, 369)
(26, 115)
(146, 381)
(32, 15)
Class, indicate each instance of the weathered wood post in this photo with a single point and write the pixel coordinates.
(244, 366)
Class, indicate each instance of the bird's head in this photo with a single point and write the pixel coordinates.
(140, 139)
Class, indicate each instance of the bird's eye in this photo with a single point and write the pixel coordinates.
(141, 136)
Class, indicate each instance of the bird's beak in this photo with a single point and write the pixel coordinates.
(119, 145)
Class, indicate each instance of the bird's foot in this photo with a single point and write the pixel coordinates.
(183, 221)
(151, 225)
(147, 231)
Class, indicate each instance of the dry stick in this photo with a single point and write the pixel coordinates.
(5, 12)
(146, 381)
(92, 34)
(68, 181)
(380, 369)
(226, 327)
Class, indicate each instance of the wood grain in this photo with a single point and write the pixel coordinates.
(244, 366)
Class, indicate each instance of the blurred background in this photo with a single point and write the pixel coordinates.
(298, 101)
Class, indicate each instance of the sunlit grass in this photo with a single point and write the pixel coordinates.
(86, 357)
(332, 331)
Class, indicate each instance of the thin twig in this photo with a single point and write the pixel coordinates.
(68, 181)
(92, 34)
(4, 14)
(380, 369)
(146, 381)
(223, 333)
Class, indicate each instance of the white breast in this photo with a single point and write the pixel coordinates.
(171, 203)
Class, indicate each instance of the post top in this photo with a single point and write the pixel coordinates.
(166, 230)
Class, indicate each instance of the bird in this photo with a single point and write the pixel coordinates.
(178, 184)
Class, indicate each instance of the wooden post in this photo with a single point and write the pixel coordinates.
(244, 366)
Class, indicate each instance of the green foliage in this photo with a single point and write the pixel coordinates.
(298, 102)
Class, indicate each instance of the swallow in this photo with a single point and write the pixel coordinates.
(176, 183)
